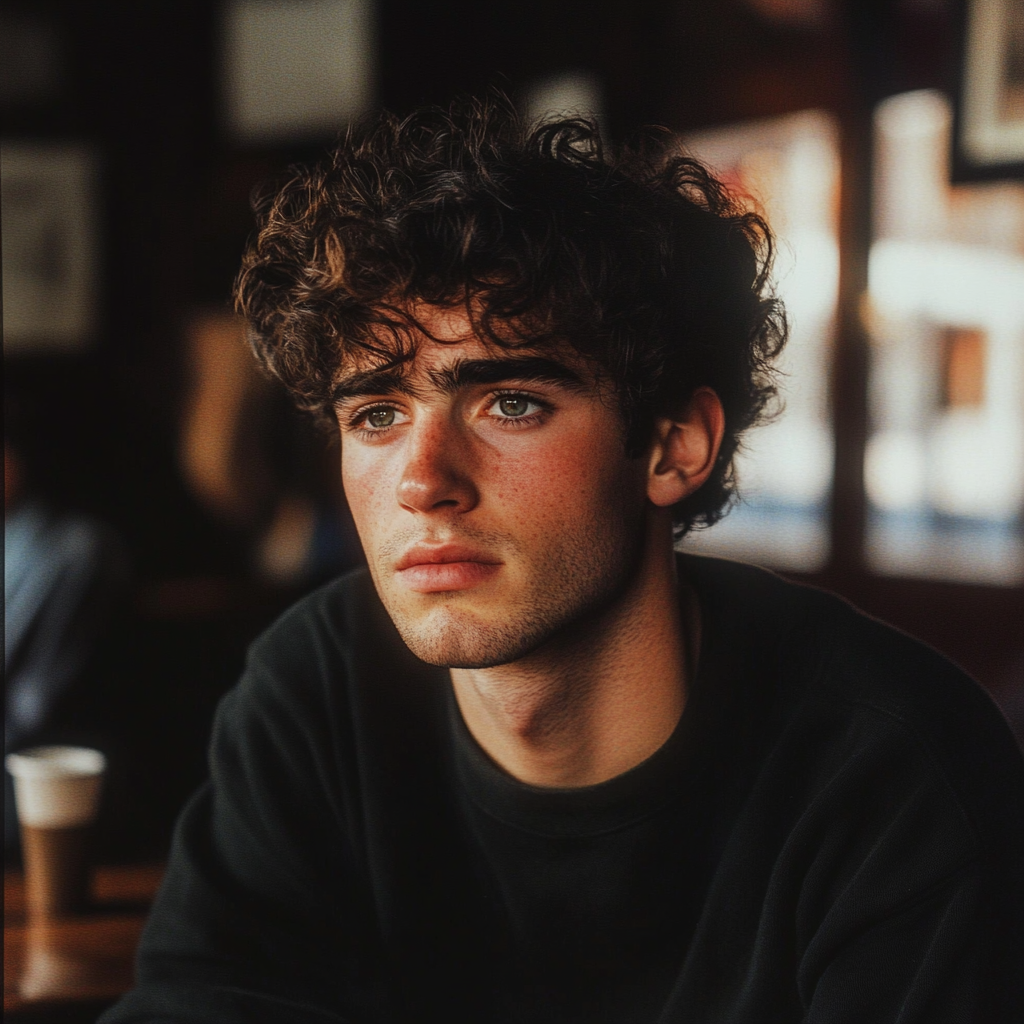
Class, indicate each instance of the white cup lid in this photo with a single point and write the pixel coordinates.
(54, 762)
(56, 787)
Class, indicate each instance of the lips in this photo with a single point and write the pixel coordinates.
(427, 569)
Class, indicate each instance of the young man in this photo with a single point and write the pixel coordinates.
(535, 766)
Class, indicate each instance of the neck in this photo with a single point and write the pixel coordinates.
(602, 696)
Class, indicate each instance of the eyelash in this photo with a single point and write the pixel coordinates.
(357, 422)
(515, 422)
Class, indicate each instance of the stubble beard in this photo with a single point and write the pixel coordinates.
(573, 584)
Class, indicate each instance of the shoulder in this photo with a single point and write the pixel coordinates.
(325, 620)
(840, 653)
(333, 664)
(880, 701)
(293, 693)
(335, 635)
(303, 659)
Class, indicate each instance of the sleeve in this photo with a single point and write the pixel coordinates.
(81, 569)
(261, 916)
(923, 962)
(911, 855)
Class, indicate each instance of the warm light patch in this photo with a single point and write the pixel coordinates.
(963, 367)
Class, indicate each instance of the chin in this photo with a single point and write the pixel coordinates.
(457, 637)
(463, 641)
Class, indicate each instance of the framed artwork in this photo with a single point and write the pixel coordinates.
(988, 136)
(50, 246)
(296, 71)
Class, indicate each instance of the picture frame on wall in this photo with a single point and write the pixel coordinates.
(988, 136)
(50, 246)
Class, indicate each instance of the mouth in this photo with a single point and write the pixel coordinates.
(432, 569)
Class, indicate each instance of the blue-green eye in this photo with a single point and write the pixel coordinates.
(379, 418)
(514, 405)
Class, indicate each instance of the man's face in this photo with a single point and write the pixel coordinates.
(492, 493)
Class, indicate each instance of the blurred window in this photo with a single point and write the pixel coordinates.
(789, 167)
(944, 467)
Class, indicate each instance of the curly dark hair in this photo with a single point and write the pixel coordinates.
(643, 263)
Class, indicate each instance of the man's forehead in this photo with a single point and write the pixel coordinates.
(424, 335)
(444, 324)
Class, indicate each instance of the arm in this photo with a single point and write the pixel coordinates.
(929, 960)
(54, 621)
(260, 917)
(925, 922)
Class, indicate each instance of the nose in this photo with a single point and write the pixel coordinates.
(438, 471)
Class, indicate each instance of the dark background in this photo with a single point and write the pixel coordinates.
(140, 82)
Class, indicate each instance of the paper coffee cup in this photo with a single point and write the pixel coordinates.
(56, 792)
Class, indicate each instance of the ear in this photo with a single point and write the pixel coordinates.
(685, 448)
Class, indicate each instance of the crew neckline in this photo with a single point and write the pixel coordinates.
(638, 793)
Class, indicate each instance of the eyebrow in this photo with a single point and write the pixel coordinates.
(462, 373)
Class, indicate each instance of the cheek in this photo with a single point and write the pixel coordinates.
(365, 486)
(549, 477)
(561, 486)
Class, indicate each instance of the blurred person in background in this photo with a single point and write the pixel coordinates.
(62, 576)
(252, 463)
(533, 764)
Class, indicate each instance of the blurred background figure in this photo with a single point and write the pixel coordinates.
(255, 465)
(62, 576)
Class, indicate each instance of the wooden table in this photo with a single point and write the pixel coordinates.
(72, 969)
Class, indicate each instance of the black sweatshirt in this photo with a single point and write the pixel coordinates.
(834, 832)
